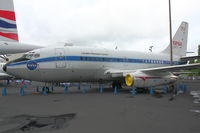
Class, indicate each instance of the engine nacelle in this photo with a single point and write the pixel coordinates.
(132, 80)
(143, 80)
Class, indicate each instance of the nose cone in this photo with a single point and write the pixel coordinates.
(5, 67)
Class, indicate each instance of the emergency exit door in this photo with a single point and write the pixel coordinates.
(60, 58)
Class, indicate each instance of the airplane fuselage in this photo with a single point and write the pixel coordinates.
(72, 64)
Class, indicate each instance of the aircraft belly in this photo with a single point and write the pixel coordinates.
(25, 74)
(67, 75)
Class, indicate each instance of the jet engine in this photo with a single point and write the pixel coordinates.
(133, 80)
(143, 80)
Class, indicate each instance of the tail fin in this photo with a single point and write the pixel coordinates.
(8, 26)
(179, 41)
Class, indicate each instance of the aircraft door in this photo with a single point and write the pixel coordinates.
(60, 58)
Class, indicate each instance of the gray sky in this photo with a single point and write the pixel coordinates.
(128, 24)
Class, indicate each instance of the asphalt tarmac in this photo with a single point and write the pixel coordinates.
(93, 112)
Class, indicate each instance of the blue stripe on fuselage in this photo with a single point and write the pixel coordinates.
(96, 59)
(48, 59)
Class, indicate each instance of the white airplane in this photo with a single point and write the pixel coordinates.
(73, 64)
(8, 31)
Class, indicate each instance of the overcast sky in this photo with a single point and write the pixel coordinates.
(128, 24)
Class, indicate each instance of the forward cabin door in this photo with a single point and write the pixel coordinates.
(60, 58)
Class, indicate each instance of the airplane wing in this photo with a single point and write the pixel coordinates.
(118, 73)
(15, 47)
(185, 59)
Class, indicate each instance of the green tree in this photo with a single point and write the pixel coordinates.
(195, 72)
(198, 61)
(199, 50)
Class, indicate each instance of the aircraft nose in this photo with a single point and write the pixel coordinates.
(5, 67)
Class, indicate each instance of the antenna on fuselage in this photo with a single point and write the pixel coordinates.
(68, 44)
(151, 48)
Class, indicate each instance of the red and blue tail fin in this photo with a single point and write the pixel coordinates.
(8, 26)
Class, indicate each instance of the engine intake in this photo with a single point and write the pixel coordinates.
(129, 80)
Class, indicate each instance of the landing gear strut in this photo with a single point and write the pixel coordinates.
(116, 84)
(47, 89)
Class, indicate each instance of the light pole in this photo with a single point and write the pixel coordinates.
(170, 34)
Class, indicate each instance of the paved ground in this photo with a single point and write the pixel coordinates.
(98, 113)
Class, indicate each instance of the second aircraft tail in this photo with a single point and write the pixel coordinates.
(8, 26)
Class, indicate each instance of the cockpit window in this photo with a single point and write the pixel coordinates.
(31, 56)
(27, 56)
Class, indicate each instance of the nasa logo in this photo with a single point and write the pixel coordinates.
(176, 43)
(31, 65)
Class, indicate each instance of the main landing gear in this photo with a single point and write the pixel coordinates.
(117, 84)
(46, 88)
